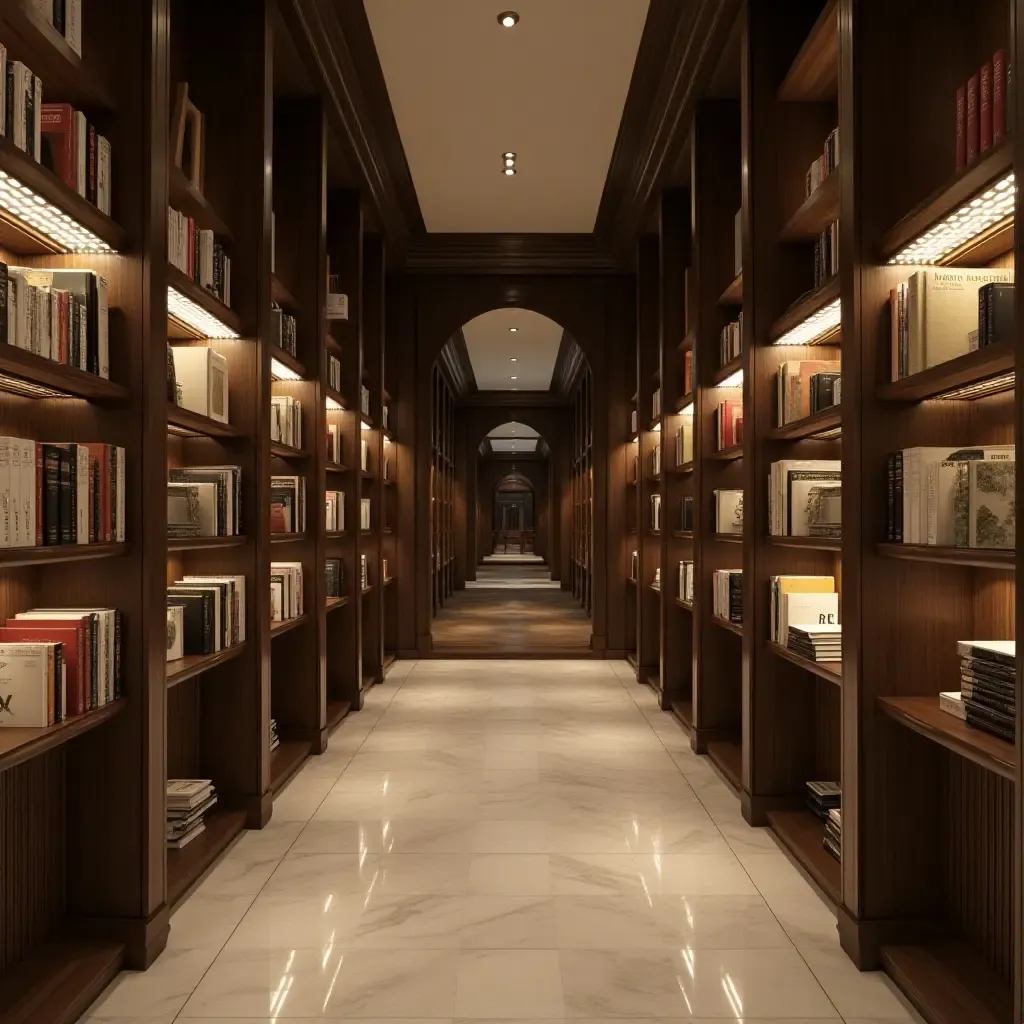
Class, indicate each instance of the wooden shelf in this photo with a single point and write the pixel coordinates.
(733, 294)
(727, 371)
(184, 421)
(287, 538)
(924, 716)
(185, 867)
(952, 376)
(388, 581)
(336, 467)
(688, 340)
(683, 534)
(336, 396)
(201, 543)
(184, 197)
(823, 420)
(56, 554)
(336, 712)
(830, 671)
(815, 213)
(814, 73)
(686, 467)
(47, 378)
(992, 165)
(286, 451)
(287, 625)
(59, 981)
(285, 760)
(287, 359)
(985, 558)
(19, 745)
(336, 602)
(950, 983)
(727, 538)
(195, 664)
(728, 454)
(25, 240)
(802, 832)
(807, 543)
(333, 345)
(688, 605)
(728, 757)
(206, 300)
(336, 534)
(732, 627)
(281, 293)
(366, 590)
(804, 308)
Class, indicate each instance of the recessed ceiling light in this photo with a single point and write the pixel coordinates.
(510, 171)
(508, 19)
(513, 360)
(513, 329)
(515, 378)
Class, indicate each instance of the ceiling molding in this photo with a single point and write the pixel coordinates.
(508, 253)
(568, 364)
(512, 399)
(331, 36)
(454, 360)
(676, 60)
(535, 456)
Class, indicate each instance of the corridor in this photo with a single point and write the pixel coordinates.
(546, 848)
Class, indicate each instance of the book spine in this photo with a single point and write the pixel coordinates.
(897, 497)
(985, 107)
(67, 490)
(973, 117)
(998, 96)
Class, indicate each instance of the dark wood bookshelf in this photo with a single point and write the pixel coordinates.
(830, 671)
(203, 298)
(972, 369)
(733, 294)
(206, 543)
(815, 213)
(184, 197)
(19, 745)
(727, 454)
(336, 712)
(732, 627)
(57, 553)
(192, 665)
(814, 74)
(336, 602)
(806, 306)
(727, 755)
(806, 543)
(809, 426)
(726, 538)
(285, 760)
(52, 379)
(802, 832)
(281, 293)
(287, 451)
(193, 424)
(185, 867)
(723, 373)
(991, 558)
(287, 359)
(287, 625)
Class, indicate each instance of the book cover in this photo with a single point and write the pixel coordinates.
(998, 96)
(961, 128)
(26, 686)
(973, 120)
(985, 107)
(993, 518)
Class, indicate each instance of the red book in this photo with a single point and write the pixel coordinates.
(688, 371)
(75, 640)
(58, 141)
(973, 118)
(998, 95)
(961, 128)
(985, 107)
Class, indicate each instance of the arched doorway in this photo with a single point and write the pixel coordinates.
(503, 425)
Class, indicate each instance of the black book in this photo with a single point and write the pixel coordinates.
(3, 303)
(995, 313)
(982, 719)
(897, 497)
(51, 494)
(58, 15)
(822, 388)
(996, 681)
(197, 615)
(999, 652)
(991, 702)
(686, 513)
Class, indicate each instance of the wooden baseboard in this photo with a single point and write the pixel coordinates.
(144, 939)
(863, 939)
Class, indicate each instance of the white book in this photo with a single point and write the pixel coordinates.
(73, 26)
(3, 89)
(952, 703)
(778, 496)
(203, 376)
(25, 686)
(82, 151)
(27, 492)
(802, 607)
(7, 517)
(37, 117)
(940, 491)
(103, 168)
(175, 632)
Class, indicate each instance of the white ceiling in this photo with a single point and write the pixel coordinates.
(505, 445)
(492, 347)
(513, 437)
(464, 90)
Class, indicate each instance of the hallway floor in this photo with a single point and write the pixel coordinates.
(513, 606)
(514, 840)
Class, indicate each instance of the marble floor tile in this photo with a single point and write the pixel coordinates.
(276, 921)
(206, 921)
(510, 874)
(386, 836)
(159, 992)
(654, 874)
(525, 984)
(408, 874)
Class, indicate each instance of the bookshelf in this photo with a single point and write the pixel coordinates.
(442, 486)
(632, 468)
(582, 491)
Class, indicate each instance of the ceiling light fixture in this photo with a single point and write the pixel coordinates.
(508, 161)
(510, 171)
(508, 19)
(515, 378)
(513, 329)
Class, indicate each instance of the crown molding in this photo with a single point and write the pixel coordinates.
(510, 253)
(514, 399)
(568, 363)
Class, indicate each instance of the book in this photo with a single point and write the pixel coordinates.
(187, 793)
(972, 118)
(952, 703)
(999, 80)
(288, 504)
(233, 599)
(175, 632)
(985, 107)
(202, 375)
(790, 483)
(228, 481)
(31, 684)
(985, 507)
(76, 654)
(199, 611)
(728, 511)
(727, 594)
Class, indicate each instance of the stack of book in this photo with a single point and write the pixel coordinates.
(286, 420)
(822, 797)
(940, 314)
(727, 592)
(730, 341)
(334, 372)
(285, 591)
(988, 685)
(54, 494)
(817, 642)
(204, 501)
(833, 841)
(198, 380)
(283, 330)
(60, 314)
(275, 739)
(728, 511)
(824, 165)
(800, 599)
(728, 423)
(334, 443)
(805, 498)
(287, 504)
(335, 511)
(826, 254)
(188, 801)
(952, 497)
(212, 612)
(686, 581)
(196, 253)
(804, 386)
(364, 515)
(335, 577)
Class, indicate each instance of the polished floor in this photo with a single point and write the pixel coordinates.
(513, 607)
(504, 840)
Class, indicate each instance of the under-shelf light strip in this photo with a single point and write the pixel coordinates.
(333, 404)
(281, 372)
(970, 220)
(816, 327)
(45, 219)
(734, 380)
(982, 388)
(192, 315)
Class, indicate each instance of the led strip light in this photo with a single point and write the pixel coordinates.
(281, 372)
(970, 220)
(193, 316)
(333, 404)
(816, 328)
(42, 218)
(734, 380)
